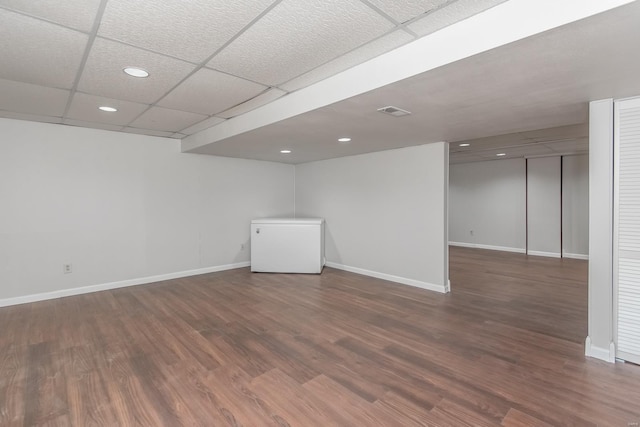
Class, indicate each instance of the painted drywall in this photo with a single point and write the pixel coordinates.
(575, 206)
(489, 198)
(599, 342)
(487, 205)
(544, 216)
(385, 212)
(121, 206)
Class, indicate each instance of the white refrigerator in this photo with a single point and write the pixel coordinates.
(286, 245)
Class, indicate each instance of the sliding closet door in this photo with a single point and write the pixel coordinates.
(544, 211)
(626, 246)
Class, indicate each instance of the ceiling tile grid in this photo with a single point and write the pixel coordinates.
(253, 103)
(76, 14)
(298, 35)
(191, 30)
(456, 11)
(30, 117)
(151, 132)
(202, 125)
(164, 119)
(35, 51)
(103, 73)
(90, 124)
(37, 100)
(84, 107)
(568, 147)
(211, 60)
(210, 92)
(357, 56)
(405, 10)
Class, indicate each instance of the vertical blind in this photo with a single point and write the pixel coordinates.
(627, 229)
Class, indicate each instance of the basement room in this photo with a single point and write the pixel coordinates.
(320, 213)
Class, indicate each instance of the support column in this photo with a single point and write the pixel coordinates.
(599, 342)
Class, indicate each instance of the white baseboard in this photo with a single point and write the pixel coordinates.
(575, 256)
(114, 285)
(403, 280)
(547, 254)
(490, 247)
(606, 354)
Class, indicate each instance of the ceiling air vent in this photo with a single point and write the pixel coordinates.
(394, 111)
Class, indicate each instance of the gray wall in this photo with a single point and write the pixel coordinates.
(544, 218)
(488, 199)
(385, 212)
(599, 343)
(575, 206)
(119, 206)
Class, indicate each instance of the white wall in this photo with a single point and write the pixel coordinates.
(488, 198)
(544, 216)
(575, 206)
(385, 212)
(602, 127)
(120, 206)
(599, 343)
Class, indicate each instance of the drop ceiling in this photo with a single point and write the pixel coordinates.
(209, 60)
(213, 61)
(526, 98)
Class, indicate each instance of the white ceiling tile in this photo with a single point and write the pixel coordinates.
(29, 117)
(149, 132)
(78, 14)
(205, 124)
(405, 10)
(262, 99)
(32, 99)
(297, 36)
(94, 125)
(489, 142)
(192, 30)
(557, 133)
(523, 151)
(103, 73)
(355, 57)
(209, 92)
(445, 16)
(85, 107)
(39, 52)
(163, 119)
(453, 159)
(574, 146)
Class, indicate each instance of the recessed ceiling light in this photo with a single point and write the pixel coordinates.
(464, 145)
(344, 139)
(136, 72)
(285, 151)
(501, 154)
(108, 109)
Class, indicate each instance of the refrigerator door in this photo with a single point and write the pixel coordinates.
(287, 246)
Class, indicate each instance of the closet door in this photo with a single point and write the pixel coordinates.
(626, 245)
(544, 212)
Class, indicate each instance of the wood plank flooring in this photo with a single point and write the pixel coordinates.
(241, 349)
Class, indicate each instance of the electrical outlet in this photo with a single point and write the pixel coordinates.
(67, 268)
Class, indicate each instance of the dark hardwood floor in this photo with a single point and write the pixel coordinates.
(339, 349)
